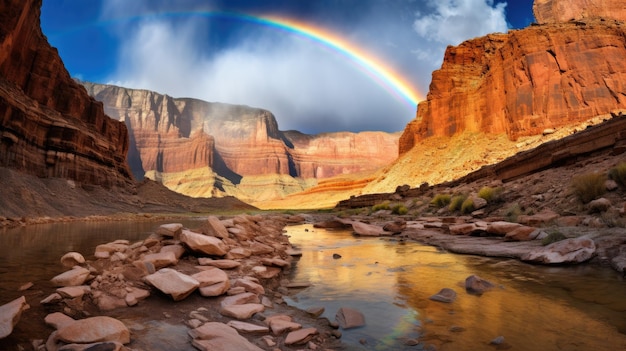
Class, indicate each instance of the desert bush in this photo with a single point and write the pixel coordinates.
(490, 194)
(399, 210)
(467, 206)
(618, 174)
(588, 186)
(553, 237)
(381, 206)
(441, 200)
(456, 202)
(513, 212)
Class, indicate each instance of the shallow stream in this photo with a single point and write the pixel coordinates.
(532, 307)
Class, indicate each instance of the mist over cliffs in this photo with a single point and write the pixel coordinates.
(201, 148)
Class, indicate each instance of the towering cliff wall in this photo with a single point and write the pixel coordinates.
(49, 125)
(521, 83)
(210, 149)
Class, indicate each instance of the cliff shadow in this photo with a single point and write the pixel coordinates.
(133, 157)
(220, 167)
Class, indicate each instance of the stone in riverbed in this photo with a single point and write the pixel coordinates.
(218, 336)
(216, 289)
(574, 250)
(240, 299)
(244, 311)
(210, 277)
(58, 320)
(248, 327)
(250, 286)
(501, 228)
(76, 276)
(173, 283)
(282, 325)
(476, 285)
(72, 292)
(446, 295)
(365, 229)
(300, 337)
(94, 329)
(349, 318)
(238, 253)
(177, 249)
(10, 314)
(202, 243)
(72, 259)
(266, 272)
(522, 233)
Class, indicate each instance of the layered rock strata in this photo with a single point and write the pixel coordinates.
(526, 81)
(210, 149)
(49, 125)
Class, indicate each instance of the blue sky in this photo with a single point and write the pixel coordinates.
(170, 47)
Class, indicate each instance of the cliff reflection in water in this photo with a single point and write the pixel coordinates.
(533, 307)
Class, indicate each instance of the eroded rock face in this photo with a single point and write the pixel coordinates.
(550, 11)
(49, 125)
(525, 82)
(200, 148)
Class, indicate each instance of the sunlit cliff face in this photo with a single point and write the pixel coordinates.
(391, 282)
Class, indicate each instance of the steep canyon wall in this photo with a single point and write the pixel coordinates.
(49, 125)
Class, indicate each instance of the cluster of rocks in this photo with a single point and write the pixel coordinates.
(237, 264)
(496, 237)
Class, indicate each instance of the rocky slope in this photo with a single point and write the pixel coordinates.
(200, 148)
(547, 11)
(49, 125)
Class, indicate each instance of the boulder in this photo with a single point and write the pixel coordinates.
(599, 205)
(349, 318)
(465, 229)
(265, 272)
(10, 314)
(476, 285)
(244, 311)
(210, 277)
(76, 276)
(574, 250)
(250, 286)
(216, 289)
(276, 262)
(214, 227)
(202, 243)
(177, 249)
(173, 283)
(58, 320)
(282, 325)
(171, 230)
(248, 328)
(223, 264)
(522, 233)
(94, 329)
(366, 229)
(258, 248)
(238, 253)
(161, 259)
(240, 299)
(218, 336)
(446, 295)
(72, 259)
(300, 337)
(72, 292)
(501, 228)
(395, 226)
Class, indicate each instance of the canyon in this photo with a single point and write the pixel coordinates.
(205, 149)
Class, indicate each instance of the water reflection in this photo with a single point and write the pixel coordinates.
(533, 307)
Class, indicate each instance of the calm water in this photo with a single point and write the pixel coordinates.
(533, 307)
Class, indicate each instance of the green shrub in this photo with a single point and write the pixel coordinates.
(441, 200)
(467, 206)
(589, 186)
(456, 202)
(399, 210)
(490, 194)
(513, 212)
(618, 174)
(552, 238)
(381, 206)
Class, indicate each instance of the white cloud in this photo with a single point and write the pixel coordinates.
(454, 21)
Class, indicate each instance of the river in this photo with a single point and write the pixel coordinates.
(532, 307)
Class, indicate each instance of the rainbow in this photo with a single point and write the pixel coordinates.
(382, 74)
(377, 70)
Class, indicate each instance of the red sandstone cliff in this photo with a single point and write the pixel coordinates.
(49, 125)
(211, 149)
(521, 83)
